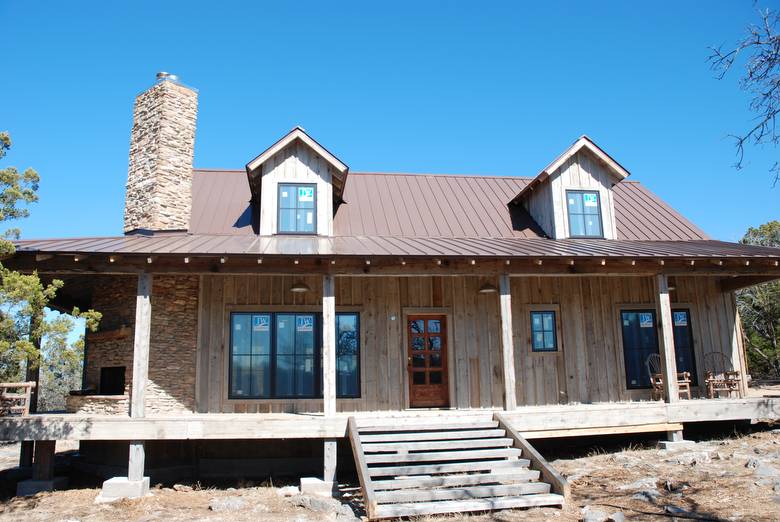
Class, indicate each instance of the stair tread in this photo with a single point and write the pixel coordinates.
(509, 476)
(462, 493)
(433, 435)
(441, 456)
(492, 442)
(456, 506)
(413, 427)
(454, 467)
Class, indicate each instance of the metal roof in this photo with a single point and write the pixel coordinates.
(396, 246)
(431, 205)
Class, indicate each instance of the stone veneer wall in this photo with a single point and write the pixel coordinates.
(172, 355)
(162, 142)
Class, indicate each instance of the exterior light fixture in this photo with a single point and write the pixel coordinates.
(487, 288)
(300, 288)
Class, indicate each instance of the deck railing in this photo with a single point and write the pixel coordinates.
(15, 398)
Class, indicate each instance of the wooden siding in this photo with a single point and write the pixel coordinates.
(588, 367)
(583, 171)
(296, 163)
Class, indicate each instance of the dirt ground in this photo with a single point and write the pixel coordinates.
(732, 478)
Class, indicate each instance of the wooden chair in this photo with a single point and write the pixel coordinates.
(720, 376)
(15, 398)
(653, 363)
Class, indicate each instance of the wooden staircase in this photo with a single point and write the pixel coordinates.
(450, 467)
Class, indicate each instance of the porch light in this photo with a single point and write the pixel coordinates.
(300, 288)
(487, 288)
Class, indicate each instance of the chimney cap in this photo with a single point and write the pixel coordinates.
(163, 76)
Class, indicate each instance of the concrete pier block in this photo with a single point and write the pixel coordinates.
(121, 487)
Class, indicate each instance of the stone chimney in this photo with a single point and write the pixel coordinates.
(158, 196)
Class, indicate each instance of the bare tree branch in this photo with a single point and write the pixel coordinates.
(761, 80)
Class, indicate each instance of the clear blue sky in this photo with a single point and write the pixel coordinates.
(491, 88)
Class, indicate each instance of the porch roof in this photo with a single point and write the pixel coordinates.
(385, 246)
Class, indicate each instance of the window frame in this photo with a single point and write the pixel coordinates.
(600, 213)
(317, 355)
(554, 330)
(279, 209)
(559, 345)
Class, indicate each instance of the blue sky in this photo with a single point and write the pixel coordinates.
(492, 88)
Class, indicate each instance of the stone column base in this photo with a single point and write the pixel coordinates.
(318, 487)
(26, 488)
(121, 487)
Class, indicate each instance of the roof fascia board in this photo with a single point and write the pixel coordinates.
(297, 133)
(583, 142)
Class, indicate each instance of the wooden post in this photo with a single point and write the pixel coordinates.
(507, 343)
(43, 464)
(329, 370)
(666, 339)
(32, 374)
(143, 320)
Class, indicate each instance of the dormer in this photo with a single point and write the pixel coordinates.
(296, 186)
(572, 196)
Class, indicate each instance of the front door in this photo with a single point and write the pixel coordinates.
(427, 363)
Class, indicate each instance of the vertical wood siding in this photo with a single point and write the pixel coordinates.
(296, 163)
(588, 367)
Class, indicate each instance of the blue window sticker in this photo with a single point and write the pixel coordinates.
(261, 323)
(306, 194)
(680, 318)
(645, 320)
(304, 323)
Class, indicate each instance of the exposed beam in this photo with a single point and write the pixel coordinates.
(737, 283)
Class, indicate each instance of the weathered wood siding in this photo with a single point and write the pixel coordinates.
(475, 367)
(583, 171)
(296, 163)
(588, 368)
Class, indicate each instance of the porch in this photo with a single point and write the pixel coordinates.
(559, 420)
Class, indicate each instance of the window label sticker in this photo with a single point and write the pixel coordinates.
(305, 194)
(645, 320)
(680, 319)
(304, 323)
(284, 193)
(261, 323)
(590, 200)
(237, 327)
(309, 218)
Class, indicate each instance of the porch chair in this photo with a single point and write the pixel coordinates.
(655, 372)
(15, 398)
(720, 376)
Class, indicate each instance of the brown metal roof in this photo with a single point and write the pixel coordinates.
(395, 246)
(431, 205)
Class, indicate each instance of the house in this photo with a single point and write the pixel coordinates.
(435, 324)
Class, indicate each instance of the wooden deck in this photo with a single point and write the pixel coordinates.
(532, 421)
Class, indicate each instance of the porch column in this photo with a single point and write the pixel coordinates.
(507, 337)
(666, 339)
(135, 484)
(329, 372)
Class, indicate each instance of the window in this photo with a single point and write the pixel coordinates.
(683, 343)
(297, 209)
(112, 380)
(347, 355)
(640, 340)
(543, 336)
(584, 211)
(279, 355)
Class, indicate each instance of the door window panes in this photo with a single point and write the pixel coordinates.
(683, 343)
(347, 355)
(250, 354)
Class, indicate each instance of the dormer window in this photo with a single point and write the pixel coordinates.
(297, 208)
(584, 210)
